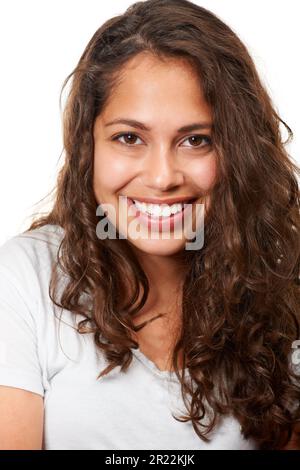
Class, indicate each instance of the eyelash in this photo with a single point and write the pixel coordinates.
(206, 137)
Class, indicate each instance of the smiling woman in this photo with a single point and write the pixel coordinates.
(178, 346)
(160, 162)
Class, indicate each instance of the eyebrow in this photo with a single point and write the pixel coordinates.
(139, 125)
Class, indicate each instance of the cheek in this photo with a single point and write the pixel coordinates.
(204, 173)
(111, 172)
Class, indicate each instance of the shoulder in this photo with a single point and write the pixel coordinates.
(35, 246)
(27, 257)
(33, 243)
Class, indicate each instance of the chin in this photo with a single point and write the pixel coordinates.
(159, 247)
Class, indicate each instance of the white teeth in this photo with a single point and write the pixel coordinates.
(163, 210)
(155, 210)
(166, 212)
(176, 208)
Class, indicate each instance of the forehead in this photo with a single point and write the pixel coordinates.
(150, 85)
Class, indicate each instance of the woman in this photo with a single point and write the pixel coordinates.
(142, 342)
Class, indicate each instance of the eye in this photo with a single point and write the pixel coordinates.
(130, 139)
(199, 137)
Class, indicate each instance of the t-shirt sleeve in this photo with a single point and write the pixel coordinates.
(19, 362)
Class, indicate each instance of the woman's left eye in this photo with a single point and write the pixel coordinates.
(201, 138)
(133, 136)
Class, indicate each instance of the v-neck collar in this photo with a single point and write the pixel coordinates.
(164, 374)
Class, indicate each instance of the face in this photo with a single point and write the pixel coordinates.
(158, 155)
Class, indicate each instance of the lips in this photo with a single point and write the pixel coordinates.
(161, 223)
(169, 202)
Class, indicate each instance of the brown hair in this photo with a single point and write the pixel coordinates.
(240, 298)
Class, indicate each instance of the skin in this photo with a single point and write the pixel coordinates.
(161, 163)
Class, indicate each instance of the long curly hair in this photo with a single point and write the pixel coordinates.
(240, 296)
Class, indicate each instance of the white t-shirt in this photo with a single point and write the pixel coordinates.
(39, 353)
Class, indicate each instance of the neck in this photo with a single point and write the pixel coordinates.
(163, 272)
(160, 317)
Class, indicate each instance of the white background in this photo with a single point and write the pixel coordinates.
(41, 43)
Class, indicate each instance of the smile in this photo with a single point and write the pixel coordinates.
(159, 210)
(162, 216)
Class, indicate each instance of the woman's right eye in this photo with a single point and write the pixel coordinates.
(126, 134)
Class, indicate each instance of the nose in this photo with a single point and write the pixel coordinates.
(161, 171)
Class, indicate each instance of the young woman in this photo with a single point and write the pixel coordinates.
(136, 341)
